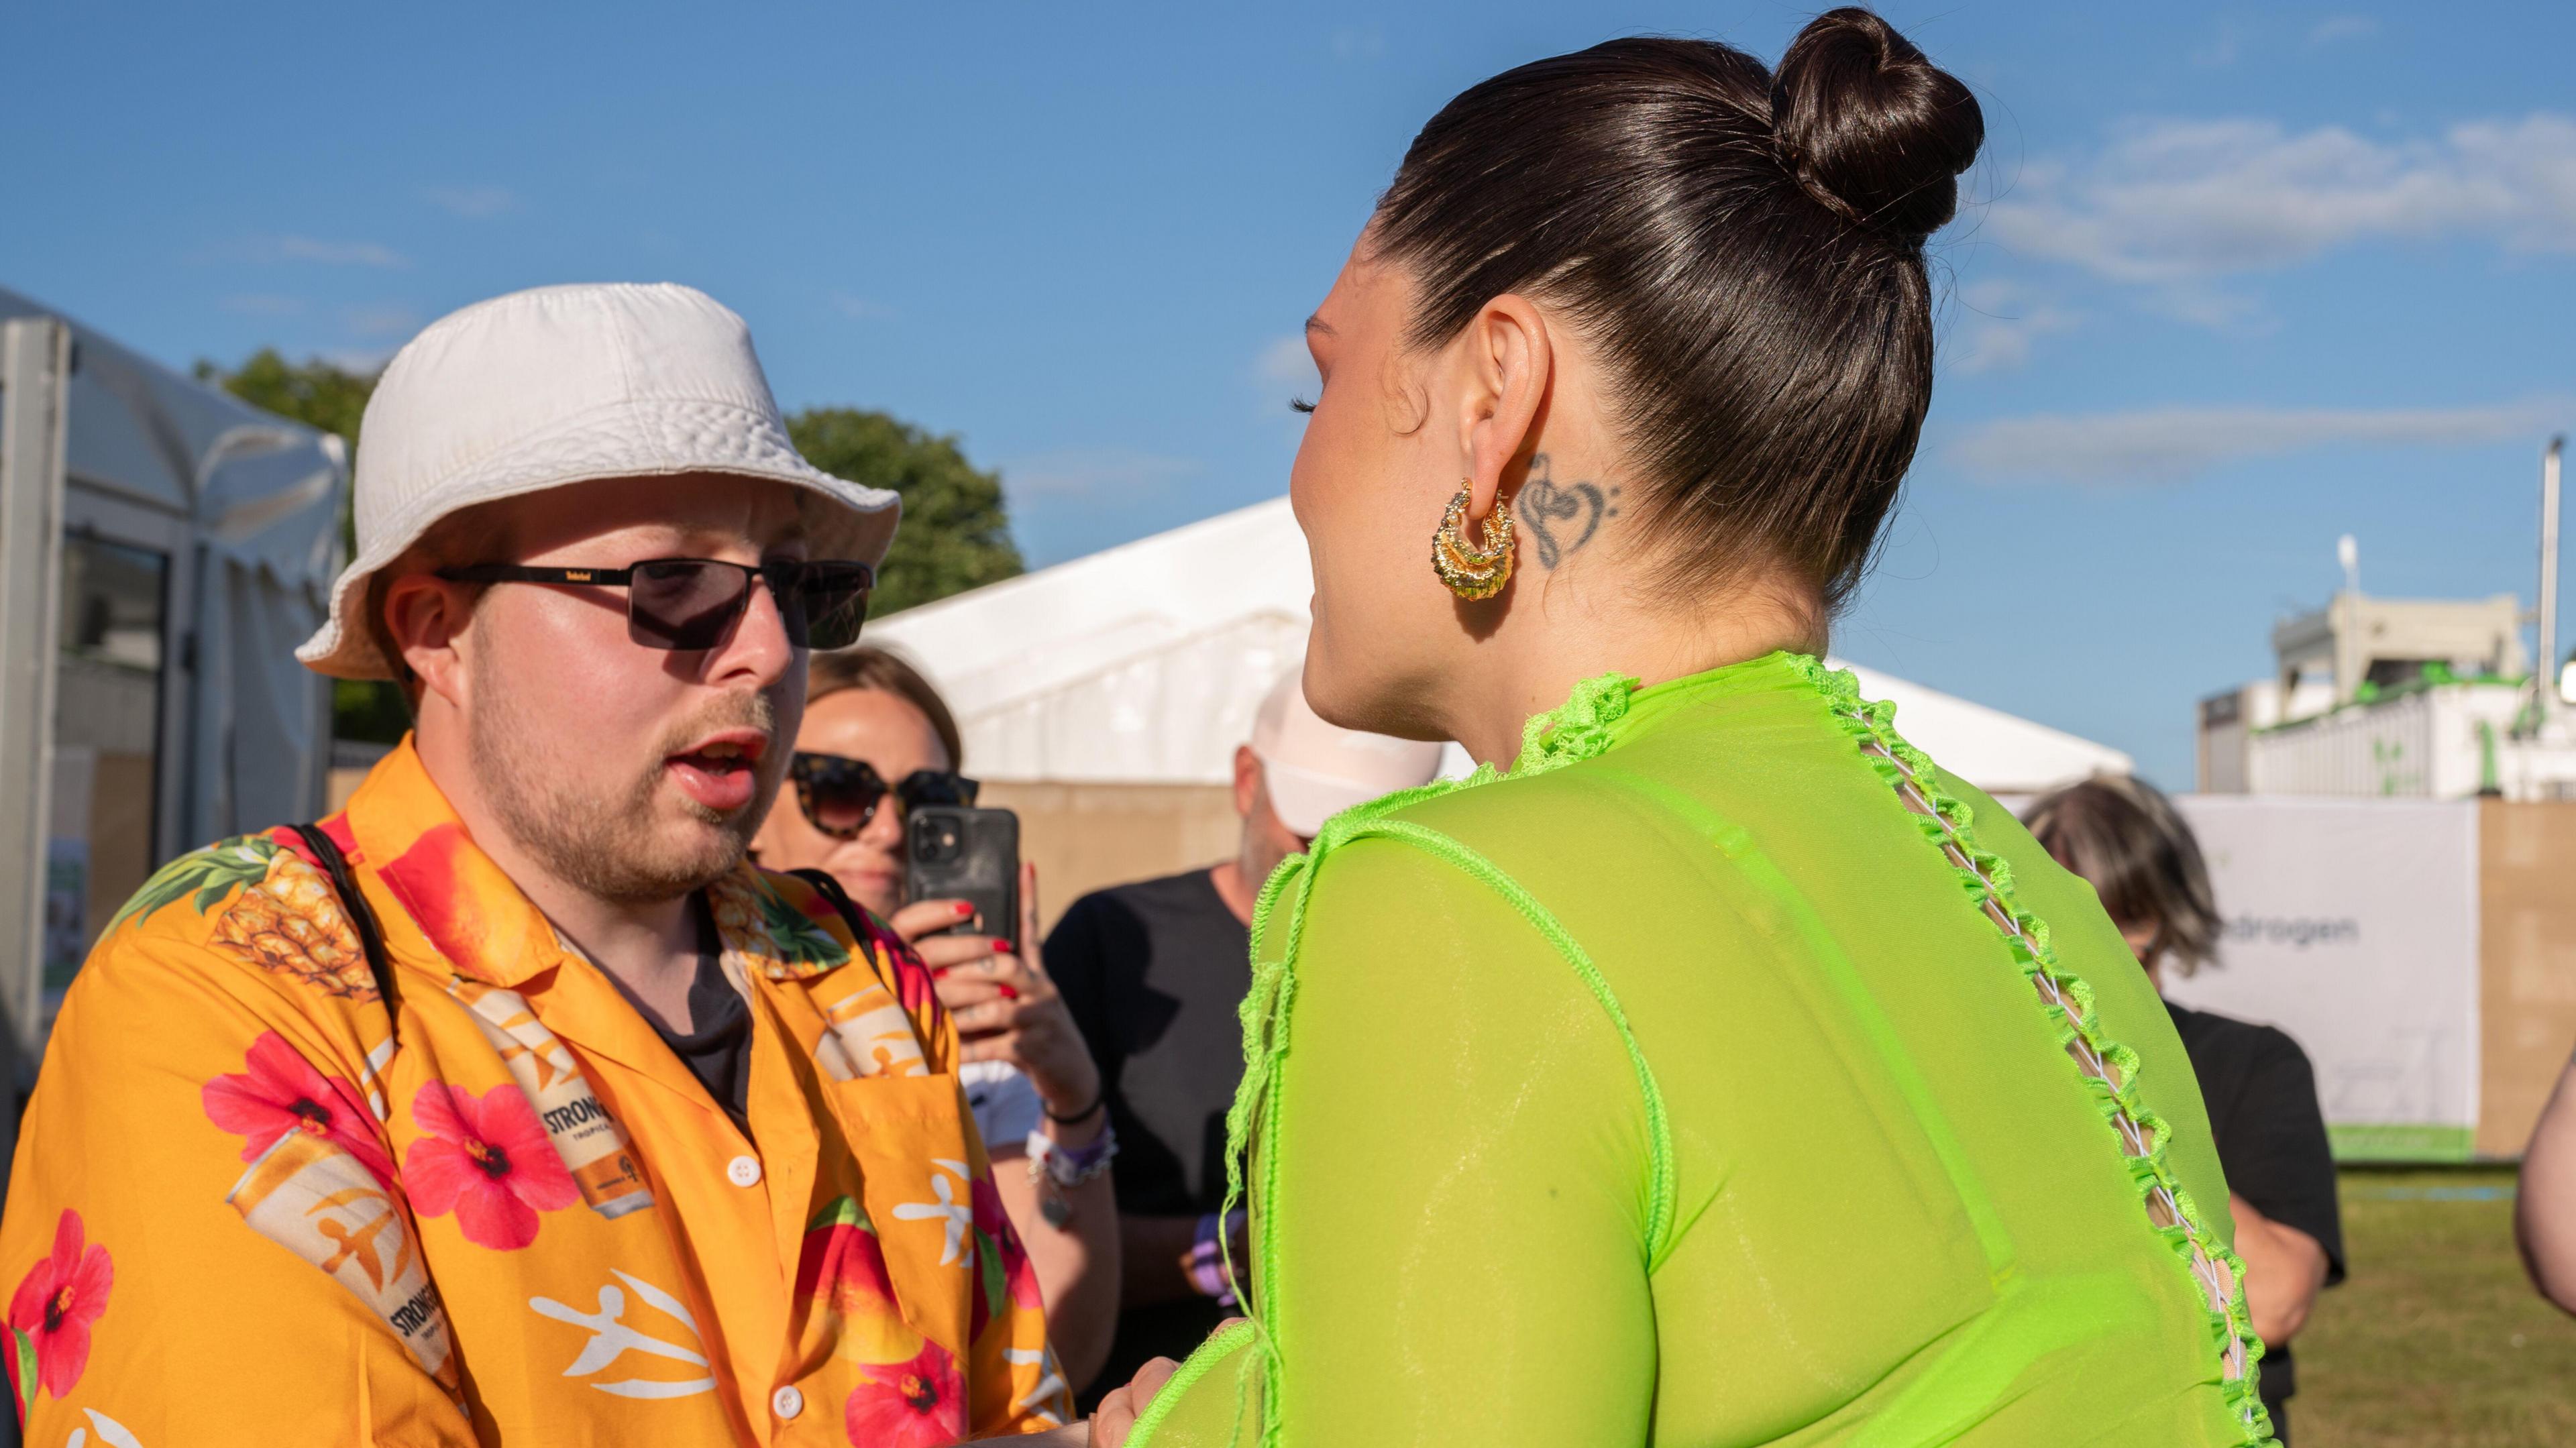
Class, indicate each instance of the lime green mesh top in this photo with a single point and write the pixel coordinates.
(1724, 1074)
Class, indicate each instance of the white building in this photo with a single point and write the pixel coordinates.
(2409, 698)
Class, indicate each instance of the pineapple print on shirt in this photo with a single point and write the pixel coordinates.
(287, 919)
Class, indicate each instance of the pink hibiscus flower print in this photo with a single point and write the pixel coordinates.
(282, 1092)
(843, 1273)
(486, 1160)
(915, 1404)
(56, 1303)
(1002, 1267)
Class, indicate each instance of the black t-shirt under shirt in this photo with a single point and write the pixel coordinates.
(717, 1047)
(2271, 1138)
(1152, 973)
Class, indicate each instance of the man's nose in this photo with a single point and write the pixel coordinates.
(757, 647)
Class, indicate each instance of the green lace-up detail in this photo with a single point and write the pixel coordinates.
(2109, 1071)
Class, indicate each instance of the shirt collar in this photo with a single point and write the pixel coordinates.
(473, 916)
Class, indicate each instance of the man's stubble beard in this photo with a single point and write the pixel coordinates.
(608, 843)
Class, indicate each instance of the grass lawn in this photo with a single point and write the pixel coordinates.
(2436, 1340)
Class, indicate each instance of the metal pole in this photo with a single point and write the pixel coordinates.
(35, 377)
(2547, 673)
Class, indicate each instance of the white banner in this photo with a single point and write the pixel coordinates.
(2352, 924)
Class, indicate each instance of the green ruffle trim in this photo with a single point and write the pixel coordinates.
(1575, 730)
(1986, 883)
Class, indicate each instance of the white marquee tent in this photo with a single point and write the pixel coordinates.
(163, 548)
(1142, 664)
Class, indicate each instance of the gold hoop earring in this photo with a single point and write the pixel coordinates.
(1473, 573)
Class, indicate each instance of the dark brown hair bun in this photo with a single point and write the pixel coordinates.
(1745, 249)
(1870, 128)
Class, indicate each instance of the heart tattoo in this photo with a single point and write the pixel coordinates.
(1562, 517)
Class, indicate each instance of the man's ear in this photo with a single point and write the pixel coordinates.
(1247, 779)
(429, 621)
(1510, 361)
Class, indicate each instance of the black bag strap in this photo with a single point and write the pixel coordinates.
(831, 890)
(361, 916)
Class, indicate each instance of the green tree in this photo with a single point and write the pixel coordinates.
(316, 393)
(956, 533)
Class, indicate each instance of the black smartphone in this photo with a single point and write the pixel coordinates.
(961, 852)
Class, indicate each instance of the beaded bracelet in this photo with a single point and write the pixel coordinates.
(1071, 1166)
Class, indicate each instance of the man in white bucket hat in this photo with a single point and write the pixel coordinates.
(512, 1104)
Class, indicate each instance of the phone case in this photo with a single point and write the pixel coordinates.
(959, 852)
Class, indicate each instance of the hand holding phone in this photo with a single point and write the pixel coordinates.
(963, 852)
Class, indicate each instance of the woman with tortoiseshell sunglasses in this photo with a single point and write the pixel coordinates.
(876, 742)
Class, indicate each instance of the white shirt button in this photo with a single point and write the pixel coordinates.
(786, 1402)
(743, 1171)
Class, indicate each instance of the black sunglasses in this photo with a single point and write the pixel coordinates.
(840, 796)
(685, 604)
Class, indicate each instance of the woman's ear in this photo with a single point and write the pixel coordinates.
(1510, 362)
(427, 619)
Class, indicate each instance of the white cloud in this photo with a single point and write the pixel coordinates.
(1285, 362)
(1095, 473)
(364, 361)
(473, 202)
(858, 308)
(388, 319)
(2174, 205)
(330, 253)
(2343, 27)
(2174, 443)
(263, 304)
(1360, 42)
(2223, 49)
(2002, 324)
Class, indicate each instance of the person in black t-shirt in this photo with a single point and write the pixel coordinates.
(1153, 972)
(2128, 840)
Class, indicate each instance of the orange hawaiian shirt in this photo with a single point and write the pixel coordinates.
(255, 1202)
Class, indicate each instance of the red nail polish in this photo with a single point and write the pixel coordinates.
(1001, 947)
(1008, 994)
(964, 909)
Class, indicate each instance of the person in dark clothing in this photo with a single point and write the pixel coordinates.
(1153, 972)
(2129, 841)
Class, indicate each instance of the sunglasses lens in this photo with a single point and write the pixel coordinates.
(840, 795)
(834, 602)
(682, 604)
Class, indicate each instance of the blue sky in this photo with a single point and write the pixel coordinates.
(2235, 280)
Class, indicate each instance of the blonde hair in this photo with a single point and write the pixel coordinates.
(2124, 836)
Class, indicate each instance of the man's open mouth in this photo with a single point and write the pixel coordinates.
(720, 772)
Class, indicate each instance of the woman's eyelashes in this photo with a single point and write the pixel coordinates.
(1299, 404)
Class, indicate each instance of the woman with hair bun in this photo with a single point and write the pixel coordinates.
(1710, 1067)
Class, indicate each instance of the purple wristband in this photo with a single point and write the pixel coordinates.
(1207, 1257)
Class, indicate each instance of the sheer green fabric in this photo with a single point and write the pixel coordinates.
(1689, 1086)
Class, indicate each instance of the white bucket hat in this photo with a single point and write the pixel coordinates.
(561, 385)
